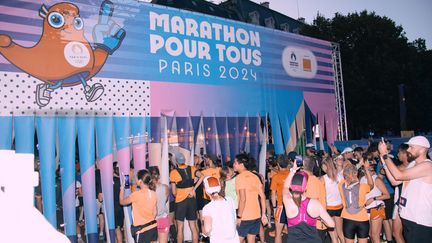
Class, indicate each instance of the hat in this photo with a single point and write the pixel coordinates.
(299, 182)
(292, 155)
(419, 141)
(347, 150)
(310, 145)
(211, 185)
(180, 158)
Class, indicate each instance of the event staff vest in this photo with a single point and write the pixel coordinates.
(416, 200)
(186, 175)
(351, 195)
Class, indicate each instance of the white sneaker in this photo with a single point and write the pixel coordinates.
(43, 95)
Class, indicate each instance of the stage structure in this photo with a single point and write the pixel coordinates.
(88, 82)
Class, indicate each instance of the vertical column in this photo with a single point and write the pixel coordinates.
(104, 130)
(139, 149)
(5, 132)
(24, 127)
(46, 130)
(86, 147)
(123, 136)
(67, 136)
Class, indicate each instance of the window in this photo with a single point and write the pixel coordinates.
(270, 22)
(254, 17)
(285, 27)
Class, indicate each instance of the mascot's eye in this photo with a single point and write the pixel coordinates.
(78, 23)
(56, 20)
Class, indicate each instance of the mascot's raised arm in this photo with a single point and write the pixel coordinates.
(63, 57)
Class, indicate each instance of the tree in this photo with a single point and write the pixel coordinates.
(376, 58)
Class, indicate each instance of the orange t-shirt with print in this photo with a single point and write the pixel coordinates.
(362, 215)
(144, 207)
(249, 182)
(277, 184)
(175, 177)
(213, 172)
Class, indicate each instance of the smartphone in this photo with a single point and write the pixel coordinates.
(126, 182)
(299, 160)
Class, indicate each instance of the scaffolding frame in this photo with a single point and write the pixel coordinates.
(342, 134)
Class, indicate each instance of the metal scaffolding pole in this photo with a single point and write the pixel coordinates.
(339, 93)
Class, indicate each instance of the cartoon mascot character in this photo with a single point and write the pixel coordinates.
(63, 57)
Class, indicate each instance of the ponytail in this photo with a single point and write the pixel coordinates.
(147, 179)
(296, 196)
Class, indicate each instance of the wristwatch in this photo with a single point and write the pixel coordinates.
(385, 156)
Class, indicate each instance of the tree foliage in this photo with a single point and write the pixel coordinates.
(376, 58)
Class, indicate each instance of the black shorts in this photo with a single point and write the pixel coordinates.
(147, 236)
(249, 227)
(186, 209)
(389, 206)
(119, 216)
(414, 232)
(172, 207)
(352, 228)
(334, 213)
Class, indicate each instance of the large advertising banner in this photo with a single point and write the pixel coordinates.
(217, 80)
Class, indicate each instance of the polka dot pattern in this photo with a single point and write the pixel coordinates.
(120, 98)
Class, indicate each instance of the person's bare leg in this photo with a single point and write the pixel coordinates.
(278, 235)
(194, 230)
(39, 203)
(388, 230)
(261, 233)
(339, 225)
(362, 240)
(397, 230)
(333, 236)
(242, 239)
(375, 230)
(101, 223)
(348, 240)
(251, 238)
(180, 227)
(119, 236)
(162, 237)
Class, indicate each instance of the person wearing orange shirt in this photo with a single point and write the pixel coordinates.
(249, 190)
(144, 208)
(353, 194)
(276, 187)
(182, 180)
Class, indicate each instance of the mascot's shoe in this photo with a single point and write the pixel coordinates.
(43, 95)
(93, 92)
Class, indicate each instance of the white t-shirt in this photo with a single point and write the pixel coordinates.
(223, 216)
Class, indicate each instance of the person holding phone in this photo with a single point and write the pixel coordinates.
(415, 202)
(302, 212)
(144, 208)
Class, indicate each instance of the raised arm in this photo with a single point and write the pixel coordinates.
(418, 171)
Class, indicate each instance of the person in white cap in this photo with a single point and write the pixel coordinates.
(348, 153)
(310, 149)
(219, 215)
(416, 196)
